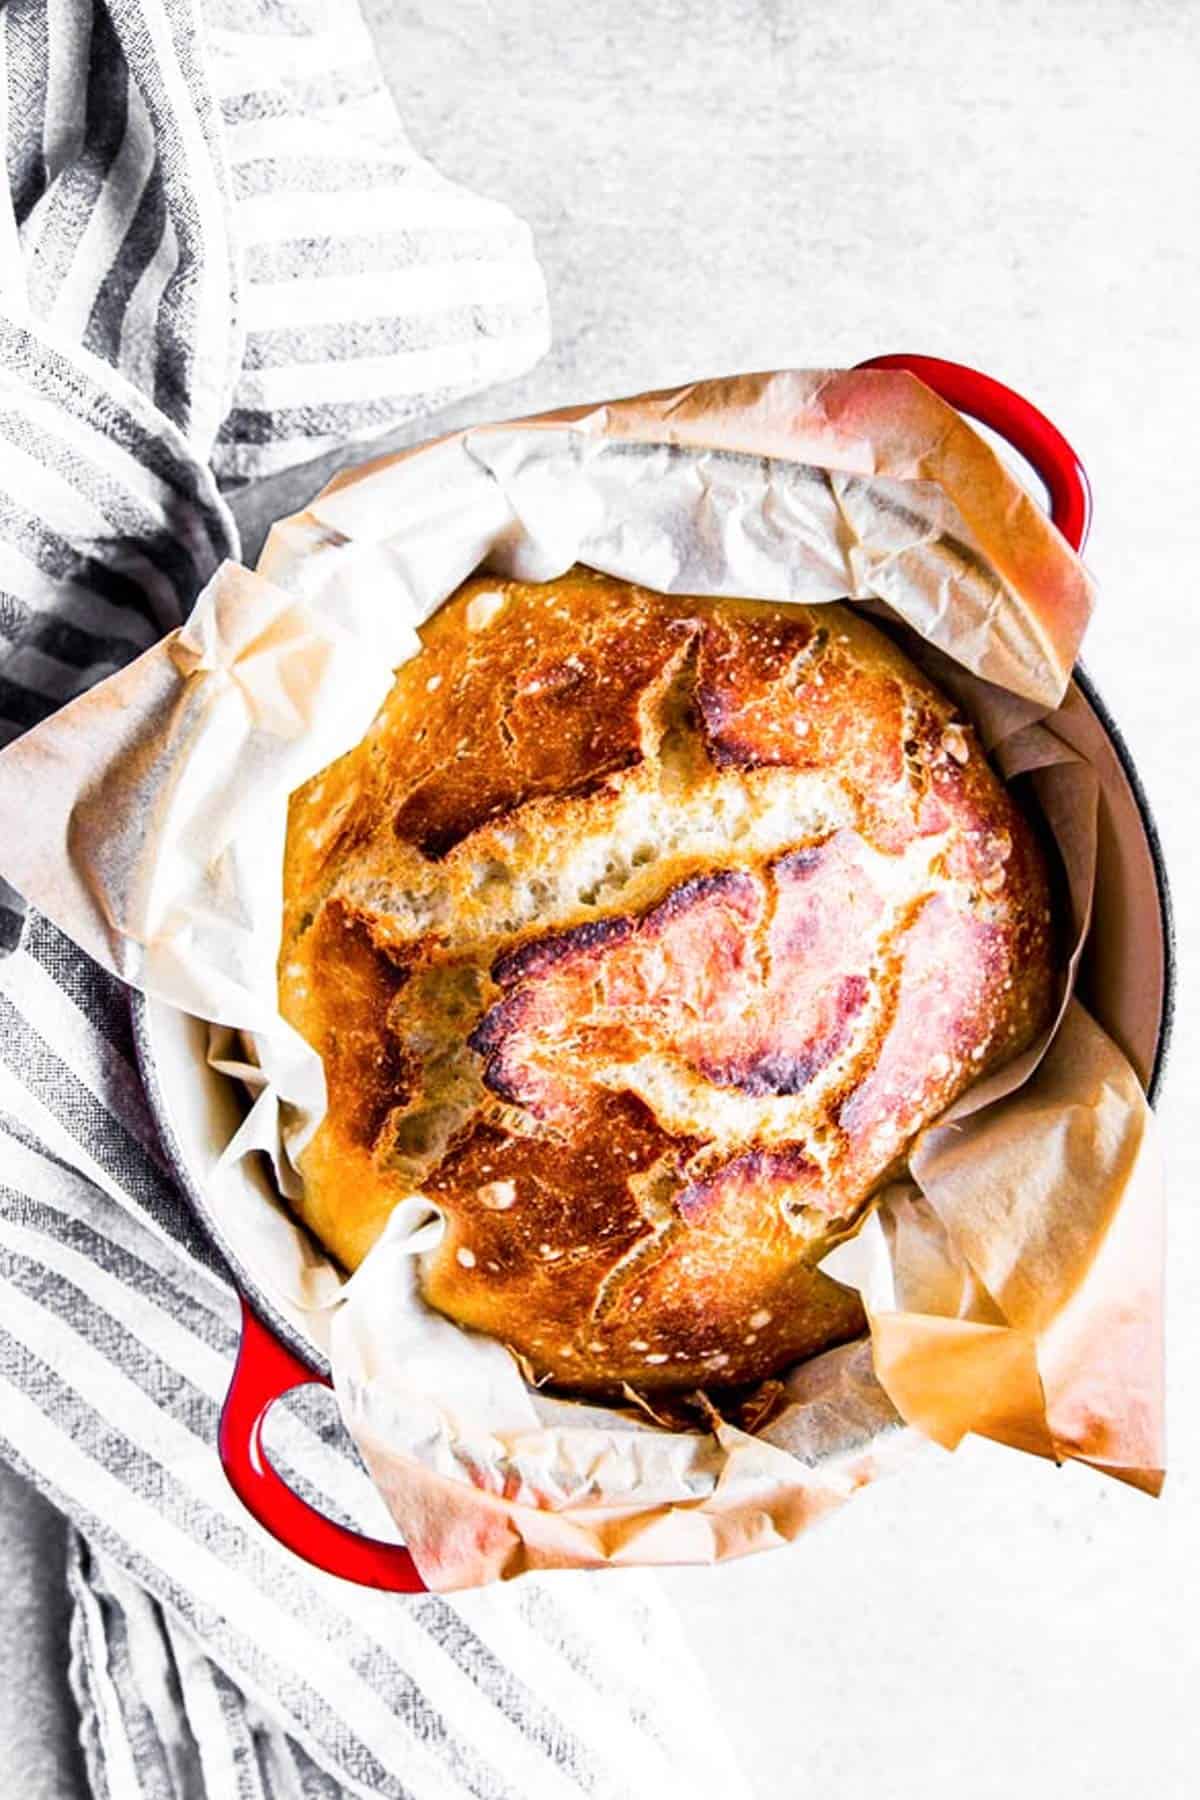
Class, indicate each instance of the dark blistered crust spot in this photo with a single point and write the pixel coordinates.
(751, 1179)
(797, 865)
(539, 954)
(736, 885)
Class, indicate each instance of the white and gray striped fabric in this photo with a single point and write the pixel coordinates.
(207, 1660)
(220, 256)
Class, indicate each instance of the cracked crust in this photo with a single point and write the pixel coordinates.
(642, 934)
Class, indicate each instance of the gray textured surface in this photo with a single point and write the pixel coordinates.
(717, 187)
(40, 1757)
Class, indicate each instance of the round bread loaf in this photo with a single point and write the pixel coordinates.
(641, 934)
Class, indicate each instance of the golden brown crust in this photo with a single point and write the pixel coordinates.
(642, 933)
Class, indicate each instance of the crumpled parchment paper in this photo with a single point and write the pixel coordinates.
(1013, 1284)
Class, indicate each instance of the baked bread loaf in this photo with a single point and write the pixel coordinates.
(641, 934)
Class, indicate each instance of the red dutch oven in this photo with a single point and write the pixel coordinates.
(274, 1357)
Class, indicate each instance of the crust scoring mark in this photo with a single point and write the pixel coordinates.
(752, 980)
(598, 713)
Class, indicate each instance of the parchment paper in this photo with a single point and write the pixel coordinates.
(1013, 1285)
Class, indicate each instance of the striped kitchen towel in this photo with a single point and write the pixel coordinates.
(218, 256)
(207, 1660)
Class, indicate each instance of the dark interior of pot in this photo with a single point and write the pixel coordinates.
(1127, 975)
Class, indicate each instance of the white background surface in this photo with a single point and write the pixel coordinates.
(755, 184)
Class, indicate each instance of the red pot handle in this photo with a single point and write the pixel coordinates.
(264, 1371)
(1028, 431)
